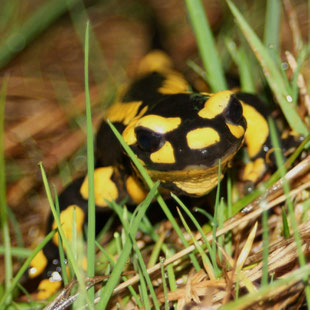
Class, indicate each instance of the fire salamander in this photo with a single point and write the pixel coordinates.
(179, 137)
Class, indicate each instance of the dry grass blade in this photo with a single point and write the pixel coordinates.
(304, 96)
(293, 23)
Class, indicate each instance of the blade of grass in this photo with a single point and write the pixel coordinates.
(228, 238)
(16, 228)
(216, 209)
(241, 59)
(67, 245)
(170, 272)
(60, 245)
(91, 233)
(206, 45)
(221, 219)
(17, 252)
(286, 229)
(272, 73)
(265, 274)
(165, 288)
(156, 250)
(302, 56)
(272, 25)
(205, 260)
(3, 206)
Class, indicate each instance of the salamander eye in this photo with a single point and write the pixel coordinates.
(149, 140)
(233, 112)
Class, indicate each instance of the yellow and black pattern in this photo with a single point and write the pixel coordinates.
(179, 136)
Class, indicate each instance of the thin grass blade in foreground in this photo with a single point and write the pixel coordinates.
(4, 224)
(272, 73)
(206, 45)
(67, 245)
(91, 233)
(272, 25)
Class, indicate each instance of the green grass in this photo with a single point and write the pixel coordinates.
(206, 45)
(68, 246)
(4, 224)
(91, 234)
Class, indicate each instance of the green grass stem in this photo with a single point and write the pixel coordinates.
(4, 223)
(60, 244)
(203, 236)
(286, 229)
(272, 25)
(91, 225)
(206, 45)
(265, 227)
(165, 288)
(69, 251)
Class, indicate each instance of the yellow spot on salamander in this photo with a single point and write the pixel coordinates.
(156, 123)
(129, 133)
(135, 190)
(125, 111)
(257, 129)
(215, 105)
(37, 265)
(47, 288)
(159, 124)
(236, 130)
(173, 84)
(155, 61)
(105, 188)
(202, 137)
(66, 217)
(165, 155)
(253, 171)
